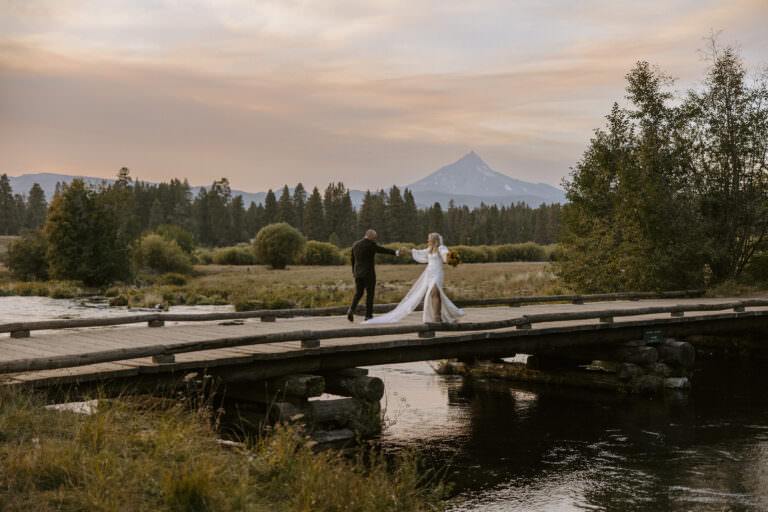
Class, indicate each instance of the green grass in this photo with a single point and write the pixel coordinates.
(134, 455)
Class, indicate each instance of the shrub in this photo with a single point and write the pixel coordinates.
(180, 236)
(471, 254)
(322, 253)
(528, 251)
(173, 279)
(277, 245)
(26, 257)
(202, 256)
(238, 255)
(161, 255)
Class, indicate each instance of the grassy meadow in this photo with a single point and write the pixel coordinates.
(257, 286)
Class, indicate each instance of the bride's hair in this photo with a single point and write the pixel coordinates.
(434, 242)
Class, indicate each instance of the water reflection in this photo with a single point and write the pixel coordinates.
(513, 447)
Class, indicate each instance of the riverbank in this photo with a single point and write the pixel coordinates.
(257, 286)
(151, 454)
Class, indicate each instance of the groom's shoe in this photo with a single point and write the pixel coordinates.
(369, 317)
(350, 315)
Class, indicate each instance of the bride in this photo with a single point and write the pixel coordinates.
(429, 288)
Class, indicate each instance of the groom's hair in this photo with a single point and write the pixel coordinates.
(370, 234)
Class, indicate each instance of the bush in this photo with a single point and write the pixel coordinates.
(528, 251)
(277, 245)
(471, 254)
(26, 257)
(238, 255)
(161, 255)
(180, 236)
(322, 253)
(202, 256)
(172, 279)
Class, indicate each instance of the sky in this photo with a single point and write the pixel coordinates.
(369, 93)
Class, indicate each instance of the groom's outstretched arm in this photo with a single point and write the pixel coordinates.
(385, 250)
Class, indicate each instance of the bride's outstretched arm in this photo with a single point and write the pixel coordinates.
(420, 255)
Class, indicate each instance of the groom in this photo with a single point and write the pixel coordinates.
(363, 268)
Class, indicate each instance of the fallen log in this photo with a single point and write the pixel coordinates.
(367, 388)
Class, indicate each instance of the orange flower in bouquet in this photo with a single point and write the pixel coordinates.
(453, 258)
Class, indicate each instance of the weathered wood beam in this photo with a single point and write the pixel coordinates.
(367, 388)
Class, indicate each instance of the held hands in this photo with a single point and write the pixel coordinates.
(404, 250)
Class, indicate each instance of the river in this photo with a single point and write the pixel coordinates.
(514, 447)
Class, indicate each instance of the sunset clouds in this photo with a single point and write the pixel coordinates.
(370, 93)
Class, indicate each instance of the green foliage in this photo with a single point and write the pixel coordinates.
(521, 252)
(757, 269)
(277, 245)
(160, 255)
(177, 234)
(202, 256)
(241, 254)
(26, 257)
(86, 239)
(322, 253)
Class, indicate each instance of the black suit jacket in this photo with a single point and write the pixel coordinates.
(363, 256)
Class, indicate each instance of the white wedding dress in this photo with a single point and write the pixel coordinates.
(422, 290)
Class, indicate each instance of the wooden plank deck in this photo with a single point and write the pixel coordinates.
(80, 341)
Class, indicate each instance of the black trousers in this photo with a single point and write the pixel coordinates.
(367, 285)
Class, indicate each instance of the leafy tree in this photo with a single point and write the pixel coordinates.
(26, 257)
(84, 239)
(729, 128)
(277, 245)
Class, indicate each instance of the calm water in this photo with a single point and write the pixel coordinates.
(511, 447)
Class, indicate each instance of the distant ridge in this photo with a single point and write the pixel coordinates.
(468, 181)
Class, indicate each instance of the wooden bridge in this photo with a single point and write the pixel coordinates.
(257, 345)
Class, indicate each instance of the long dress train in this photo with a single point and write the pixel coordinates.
(428, 288)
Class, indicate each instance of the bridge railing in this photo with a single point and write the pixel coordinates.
(311, 339)
(23, 329)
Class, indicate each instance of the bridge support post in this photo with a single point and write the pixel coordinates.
(427, 334)
(310, 343)
(157, 322)
(268, 318)
(20, 334)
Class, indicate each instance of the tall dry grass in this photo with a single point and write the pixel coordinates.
(133, 455)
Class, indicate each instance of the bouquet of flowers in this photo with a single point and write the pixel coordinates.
(453, 258)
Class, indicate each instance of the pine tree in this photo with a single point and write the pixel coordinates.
(8, 208)
(299, 202)
(285, 211)
(314, 218)
(270, 208)
(36, 208)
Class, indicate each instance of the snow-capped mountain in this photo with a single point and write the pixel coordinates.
(470, 176)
